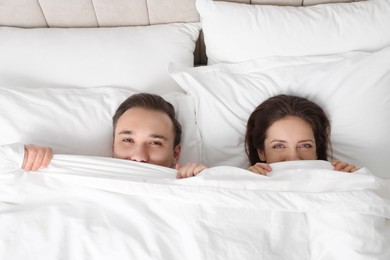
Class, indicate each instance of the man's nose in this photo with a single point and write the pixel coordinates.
(139, 154)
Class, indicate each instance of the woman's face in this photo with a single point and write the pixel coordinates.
(289, 138)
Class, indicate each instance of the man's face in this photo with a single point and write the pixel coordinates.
(144, 135)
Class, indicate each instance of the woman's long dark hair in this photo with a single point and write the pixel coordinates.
(278, 107)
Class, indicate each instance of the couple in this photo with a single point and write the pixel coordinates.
(282, 128)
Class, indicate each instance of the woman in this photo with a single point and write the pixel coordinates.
(285, 128)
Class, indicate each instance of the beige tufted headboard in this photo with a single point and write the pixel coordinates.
(110, 13)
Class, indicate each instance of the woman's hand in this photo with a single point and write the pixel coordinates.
(36, 157)
(260, 168)
(189, 170)
(343, 167)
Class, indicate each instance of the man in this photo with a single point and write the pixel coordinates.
(145, 130)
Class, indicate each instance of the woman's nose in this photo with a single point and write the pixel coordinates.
(294, 155)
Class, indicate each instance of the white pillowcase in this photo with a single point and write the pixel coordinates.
(134, 57)
(79, 120)
(353, 88)
(240, 32)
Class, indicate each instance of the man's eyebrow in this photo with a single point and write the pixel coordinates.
(158, 136)
(126, 132)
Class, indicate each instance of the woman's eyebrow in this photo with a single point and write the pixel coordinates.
(307, 140)
(277, 140)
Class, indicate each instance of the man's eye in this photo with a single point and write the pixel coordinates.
(155, 143)
(127, 140)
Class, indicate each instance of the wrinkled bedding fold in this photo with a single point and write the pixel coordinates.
(83, 207)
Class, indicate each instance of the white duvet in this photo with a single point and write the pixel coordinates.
(84, 207)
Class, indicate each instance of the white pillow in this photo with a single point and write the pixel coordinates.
(134, 57)
(240, 32)
(353, 88)
(79, 120)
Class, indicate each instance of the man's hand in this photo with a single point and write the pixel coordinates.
(36, 157)
(189, 170)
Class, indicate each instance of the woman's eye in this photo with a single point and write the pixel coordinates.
(278, 146)
(306, 146)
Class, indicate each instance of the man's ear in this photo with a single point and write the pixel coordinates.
(112, 147)
(176, 154)
(261, 155)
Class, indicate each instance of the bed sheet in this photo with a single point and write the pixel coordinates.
(84, 207)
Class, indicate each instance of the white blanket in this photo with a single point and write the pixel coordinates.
(84, 207)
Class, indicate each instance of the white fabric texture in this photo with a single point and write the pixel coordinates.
(353, 88)
(241, 32)
(103, 208)
(79, 120)
(135, 57)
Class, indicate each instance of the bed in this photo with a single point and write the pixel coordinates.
(65, 66)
